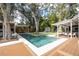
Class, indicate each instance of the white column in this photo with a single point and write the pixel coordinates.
(71, 28)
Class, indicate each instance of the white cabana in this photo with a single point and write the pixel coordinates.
(68, 22)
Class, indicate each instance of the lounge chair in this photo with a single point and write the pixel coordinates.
(63, 34)
(14, 36)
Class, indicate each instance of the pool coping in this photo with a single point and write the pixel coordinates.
(9, 43)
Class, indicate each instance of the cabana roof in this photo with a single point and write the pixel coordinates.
(66, 22)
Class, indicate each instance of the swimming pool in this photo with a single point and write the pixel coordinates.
(38, 41)
(40, 44)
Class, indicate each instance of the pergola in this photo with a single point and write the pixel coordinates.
(68, 22)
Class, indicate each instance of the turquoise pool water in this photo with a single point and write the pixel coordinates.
(38, 41)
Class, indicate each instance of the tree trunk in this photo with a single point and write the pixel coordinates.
(6, 23)
(36, 22)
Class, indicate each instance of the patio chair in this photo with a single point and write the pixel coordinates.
(74, 34)
(69, 35)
